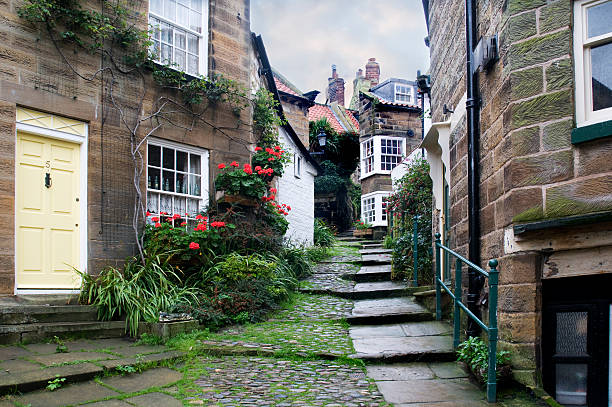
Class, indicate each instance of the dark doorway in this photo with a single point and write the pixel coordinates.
(576, 339)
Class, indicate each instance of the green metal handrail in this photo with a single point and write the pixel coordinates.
(491, 329)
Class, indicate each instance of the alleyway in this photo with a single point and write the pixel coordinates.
(311, 354)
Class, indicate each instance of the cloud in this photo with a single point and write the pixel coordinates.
(304, 38)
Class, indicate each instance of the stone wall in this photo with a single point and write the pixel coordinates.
(529, 170)
(33, 75)
(296, 113)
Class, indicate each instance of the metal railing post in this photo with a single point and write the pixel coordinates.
(457, 316)
(415, 253)
(492, 374)
(438, 288)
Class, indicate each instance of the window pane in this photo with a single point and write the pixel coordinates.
(165, 203)
(192, 44)
(193, 206)
(166, 54)
(179, 38)
(181, 183)
(601, 59)
(155, 6)
(153, 178)
(179, 206)
(181, 161)
(155, 50)
(598, 19)
(571, 381)
(195, 188)
(168, 181)
(167, 33)
(170, 9)
(153, 155)
(195, 165)
(168, 158)
(152, 202)
(572, 333)
(182, 15)
(192, 64)
(179, 59)
(196, 5)
(195, 21)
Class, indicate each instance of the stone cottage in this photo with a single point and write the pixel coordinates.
(74, 124)
(520, 150)
(389, 130)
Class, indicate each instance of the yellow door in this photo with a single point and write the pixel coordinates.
(47, 211)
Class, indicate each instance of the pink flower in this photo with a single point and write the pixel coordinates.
(221, 166)
(194, 246)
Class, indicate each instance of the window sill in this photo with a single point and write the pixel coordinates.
(592, 132)
(568, 221)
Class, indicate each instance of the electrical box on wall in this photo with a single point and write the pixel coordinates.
(485, 53)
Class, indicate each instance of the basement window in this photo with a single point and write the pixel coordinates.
(179, 32)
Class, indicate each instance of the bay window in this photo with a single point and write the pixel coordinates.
(177, 179)
(374, 208)
(180, 34)
(380, 155)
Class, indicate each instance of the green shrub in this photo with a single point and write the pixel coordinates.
(323, 234)
(140, 293)
(475, 354)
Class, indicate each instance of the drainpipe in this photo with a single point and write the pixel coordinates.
(475, 280)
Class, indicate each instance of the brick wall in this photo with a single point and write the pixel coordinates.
(529, 170)
(33, 75)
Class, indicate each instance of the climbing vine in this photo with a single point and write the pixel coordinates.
(112, 32)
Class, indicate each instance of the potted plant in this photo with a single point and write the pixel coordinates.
(362, 229)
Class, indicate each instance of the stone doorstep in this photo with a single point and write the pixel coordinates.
(29, 314)
(38, 379)
(36, 332)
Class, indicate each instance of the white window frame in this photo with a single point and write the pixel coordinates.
(297, 165)
(204, 175)
(367, 154)
(582, 58)
(377, 155)
(202, 43)
(397, 91)
(377, 219)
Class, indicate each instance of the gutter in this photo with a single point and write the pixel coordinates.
(267, 72)
(475, 280)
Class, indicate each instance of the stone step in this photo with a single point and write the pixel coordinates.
(373, 259)
(380, 289)
(375, 250)
(41, 331)
(24, 380)
(31, 314)
(402, 348)
(372, 245)
(371, 273)
(389, 310)
(350, 239)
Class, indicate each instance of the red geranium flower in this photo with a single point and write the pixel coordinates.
(217, 224)
(183, 223)
(148, 213)
(221, 166)
(199, 217)
(158, 225)
(176, 216)
(248, 171)
(277, 148)
(271, 159)
(273, 190)
(258, 168)
(234, 164)
(258, 148)
(155, 219)
(288, 208)
(194, 246)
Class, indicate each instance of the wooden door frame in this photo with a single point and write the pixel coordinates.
(82, 141)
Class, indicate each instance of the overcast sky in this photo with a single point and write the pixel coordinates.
(303, 38)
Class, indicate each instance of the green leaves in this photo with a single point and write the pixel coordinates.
(475, 353)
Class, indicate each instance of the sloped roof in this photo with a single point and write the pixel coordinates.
(340, 118)
(283, 84)
(383, 101)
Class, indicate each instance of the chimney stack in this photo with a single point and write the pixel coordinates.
(373, 72)
(335, 88)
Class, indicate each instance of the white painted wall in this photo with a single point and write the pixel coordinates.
(297, 191)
